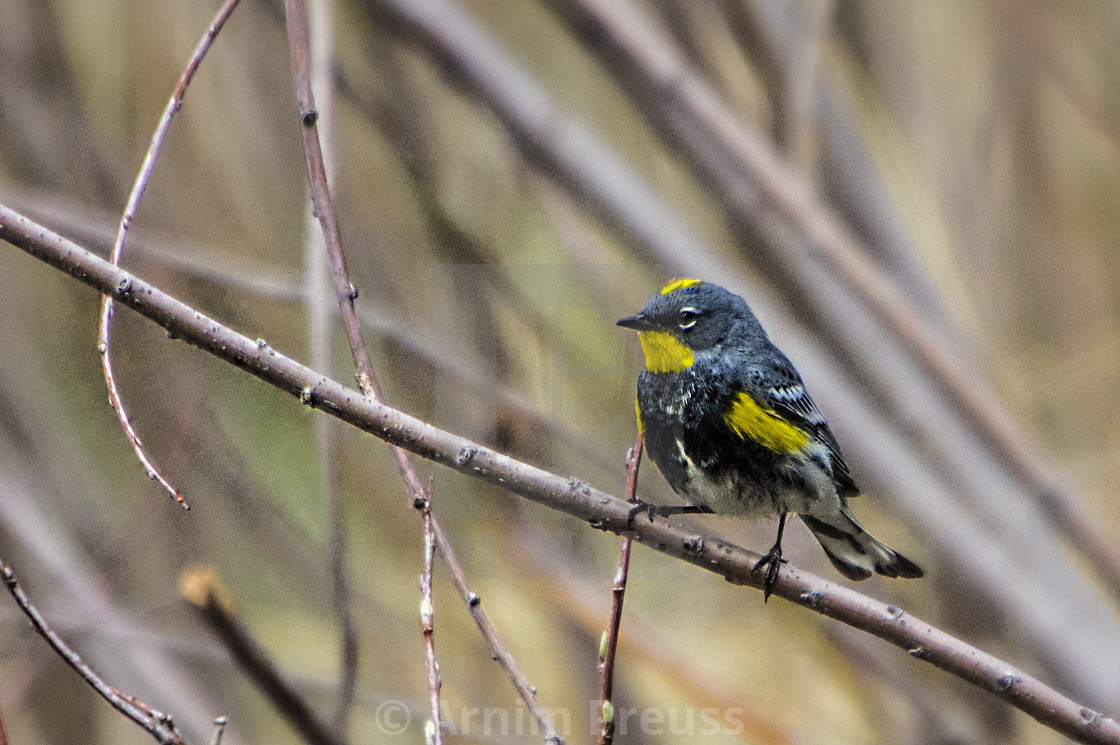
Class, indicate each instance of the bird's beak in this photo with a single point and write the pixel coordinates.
(638, 323)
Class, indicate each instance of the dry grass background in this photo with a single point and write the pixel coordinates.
(971, 146)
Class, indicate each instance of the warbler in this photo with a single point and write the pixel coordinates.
(727, 421)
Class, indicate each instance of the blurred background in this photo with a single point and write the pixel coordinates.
(919, 200)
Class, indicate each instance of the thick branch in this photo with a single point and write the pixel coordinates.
(570, 496)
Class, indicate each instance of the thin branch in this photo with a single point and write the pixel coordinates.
(618, 595)
(346, 294)
(324, 209)
(155, 723)
(202, 591)
(434, 732)
(569, 495)
(318, 297)
(173, 106)
(367, 383)
(525, 689)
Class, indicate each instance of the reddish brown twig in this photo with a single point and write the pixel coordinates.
(155, 723)
(609, 645)
(571, 496)
(173, 106)
(346, 294)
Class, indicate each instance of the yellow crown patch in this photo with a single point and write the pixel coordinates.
(678, 284)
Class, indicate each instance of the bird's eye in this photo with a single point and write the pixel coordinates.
(688, 318)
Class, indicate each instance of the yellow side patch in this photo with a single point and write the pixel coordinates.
(664, 352)
(752, 421)
(677, 284)
(638, 414)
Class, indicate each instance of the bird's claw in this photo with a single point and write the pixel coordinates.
(638, 506)
(773, 562)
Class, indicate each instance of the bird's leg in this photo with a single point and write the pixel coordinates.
(664, 510)
(772, 561)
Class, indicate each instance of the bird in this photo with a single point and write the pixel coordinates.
(727, 420)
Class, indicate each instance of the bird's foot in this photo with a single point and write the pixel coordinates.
(663, 510)
(773, 562)
(638, 506)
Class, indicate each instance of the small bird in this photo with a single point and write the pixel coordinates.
(727, 421)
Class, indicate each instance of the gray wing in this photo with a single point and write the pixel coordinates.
(793, 402)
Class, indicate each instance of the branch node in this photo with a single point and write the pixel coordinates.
(812, 598)
(1005, 682)
(694, 545)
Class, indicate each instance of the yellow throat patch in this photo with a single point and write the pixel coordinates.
(751, 421)
(664, 352)
(677, 284)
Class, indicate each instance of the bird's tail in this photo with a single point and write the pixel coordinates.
(855, 552)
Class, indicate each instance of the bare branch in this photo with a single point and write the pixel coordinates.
(571, 496)
(346, 294)
(609, 645)
(173, 106)
(427, 612)
(155, 723)
(319, 299)
(525, 689)
(434, 537)
(201, 590)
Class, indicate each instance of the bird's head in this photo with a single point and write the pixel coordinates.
(685, 318)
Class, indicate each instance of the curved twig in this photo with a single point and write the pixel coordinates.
(173, 106)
